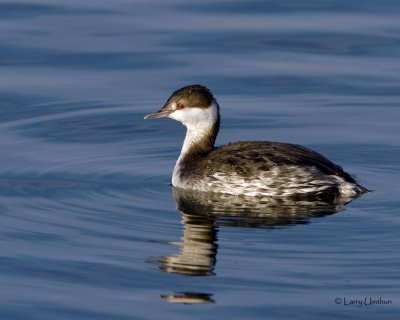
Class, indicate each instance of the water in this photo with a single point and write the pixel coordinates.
(90, 228)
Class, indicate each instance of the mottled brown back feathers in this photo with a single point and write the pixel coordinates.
(249, 157)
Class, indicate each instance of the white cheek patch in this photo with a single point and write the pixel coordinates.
(196, 117)
(176, 115)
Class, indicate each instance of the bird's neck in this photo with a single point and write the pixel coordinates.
(199, 140)
(202, 130)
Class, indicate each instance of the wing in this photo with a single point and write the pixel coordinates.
(248, 159)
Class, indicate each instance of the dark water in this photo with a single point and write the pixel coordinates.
(89, 225)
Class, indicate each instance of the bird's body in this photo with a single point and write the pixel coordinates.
(261, 168)
(251, 168)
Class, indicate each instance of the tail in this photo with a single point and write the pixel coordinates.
(361, 190)
(349, 189)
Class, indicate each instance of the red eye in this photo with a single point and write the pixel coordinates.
(180, 106)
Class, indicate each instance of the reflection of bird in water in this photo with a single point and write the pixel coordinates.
(252, 168)
(249, 211)
(203, 213)
(197, 250)
(188, 298)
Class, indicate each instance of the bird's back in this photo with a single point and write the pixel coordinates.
(268, 169)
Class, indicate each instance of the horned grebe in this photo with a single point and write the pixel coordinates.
(250, 168)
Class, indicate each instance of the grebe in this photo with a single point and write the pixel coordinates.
(250, 168)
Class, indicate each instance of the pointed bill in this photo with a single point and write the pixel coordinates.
(158, 114)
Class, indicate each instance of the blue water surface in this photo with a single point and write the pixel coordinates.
(90, 227)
